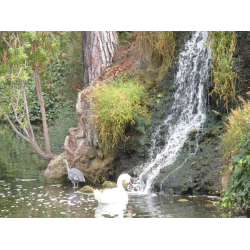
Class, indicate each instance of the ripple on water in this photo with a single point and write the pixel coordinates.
(25, 179)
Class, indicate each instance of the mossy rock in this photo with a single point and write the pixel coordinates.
(125, 184)
(183, 200)
(193, 131)
(109, 184)
(87, 189)
(193, 164)
(160, 95)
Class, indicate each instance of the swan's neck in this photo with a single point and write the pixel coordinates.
(119, 183)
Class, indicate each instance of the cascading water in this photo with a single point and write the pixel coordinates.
(188, 111)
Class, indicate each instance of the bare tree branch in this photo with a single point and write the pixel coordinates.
(18, 120)
(27, 113)
(41, 102)
(15, 129)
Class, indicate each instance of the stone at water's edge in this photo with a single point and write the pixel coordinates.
(55, 171)
(109, 184)
(87, 189)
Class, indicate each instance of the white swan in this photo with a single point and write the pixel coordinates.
(114, 195)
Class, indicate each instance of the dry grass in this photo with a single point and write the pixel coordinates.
(157, 46)
(114, 105)
(237, 126)
(223, 74)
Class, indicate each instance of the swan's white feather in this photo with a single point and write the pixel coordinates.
(114, 195)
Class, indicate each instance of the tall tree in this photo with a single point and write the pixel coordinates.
(98, 49)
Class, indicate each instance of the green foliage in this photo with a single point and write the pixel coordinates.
(70, 66)
(21, 52)
(115, 105)
(223, 74)
(56, 54)
(125, 35)
(238, 192)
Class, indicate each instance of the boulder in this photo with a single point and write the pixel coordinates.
(87, 189)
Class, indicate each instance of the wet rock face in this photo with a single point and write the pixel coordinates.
(198, 174)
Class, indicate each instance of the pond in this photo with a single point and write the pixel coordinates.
(24, 194)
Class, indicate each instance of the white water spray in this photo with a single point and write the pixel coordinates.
(188, 111)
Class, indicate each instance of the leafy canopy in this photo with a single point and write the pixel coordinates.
(20, 54)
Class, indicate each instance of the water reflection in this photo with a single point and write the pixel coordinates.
(114, 210)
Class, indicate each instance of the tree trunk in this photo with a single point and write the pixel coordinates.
(98, 49)
(41, 102)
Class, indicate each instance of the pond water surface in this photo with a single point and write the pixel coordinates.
(24, 194)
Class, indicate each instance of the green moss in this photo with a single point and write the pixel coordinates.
(160, 95)
(109, 184)
(141, 124)
(87, 189)
(193, 164)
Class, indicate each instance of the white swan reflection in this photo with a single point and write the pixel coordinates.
(113, 210)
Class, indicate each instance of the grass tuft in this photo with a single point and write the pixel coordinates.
(115, 104)
(223, 46)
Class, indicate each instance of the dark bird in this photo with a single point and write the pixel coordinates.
(74, 174)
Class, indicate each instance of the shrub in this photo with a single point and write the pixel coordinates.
(237, 126)
(238, 192)
(114, 106)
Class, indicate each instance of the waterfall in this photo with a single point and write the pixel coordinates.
(188, 111)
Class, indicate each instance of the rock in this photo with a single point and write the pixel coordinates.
(224, 183)
(125, 185)
(182, 200)
(109, 184)
(55, 173)
(87, 189)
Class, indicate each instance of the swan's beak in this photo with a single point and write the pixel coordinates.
(130, 183)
